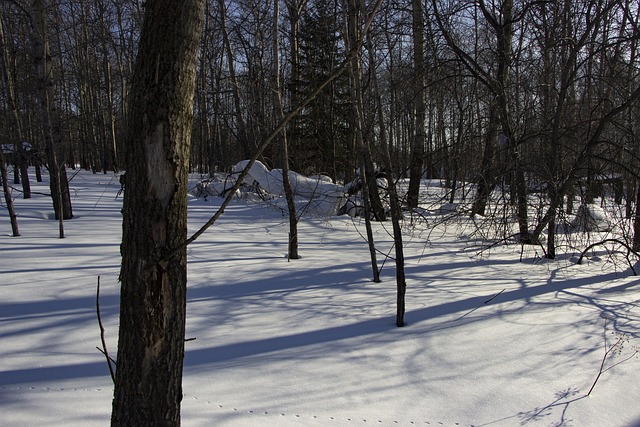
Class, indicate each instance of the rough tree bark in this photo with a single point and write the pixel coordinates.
(153, 275)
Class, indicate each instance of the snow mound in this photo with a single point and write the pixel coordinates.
(590, 217)
(316, 195)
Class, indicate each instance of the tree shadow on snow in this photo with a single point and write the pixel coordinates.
(464, 307)
(562, 400)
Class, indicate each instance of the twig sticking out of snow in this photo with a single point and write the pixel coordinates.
(616, 348)
(103, 350)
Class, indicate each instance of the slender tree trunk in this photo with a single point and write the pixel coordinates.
(394, 200)
(148, 385)
(108, 116)
(207, 144)
(50, 117)
(370, 191)
(292, 251)
(636, 220)
(110, 120)
(367, 221)
(17, 123)
(551, 238)
(504, 28)
(243, 138)
(356, 94)
(375, 201)
(488, 174)
(417, 149)
(7, 196)
(294, 9)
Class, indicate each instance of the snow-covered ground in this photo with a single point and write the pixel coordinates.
(491, 340)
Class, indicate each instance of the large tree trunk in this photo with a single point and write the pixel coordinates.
(148, 386)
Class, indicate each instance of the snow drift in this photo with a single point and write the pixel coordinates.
(316, 195)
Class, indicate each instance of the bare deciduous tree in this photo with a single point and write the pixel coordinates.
(148, 386)
(50, 113)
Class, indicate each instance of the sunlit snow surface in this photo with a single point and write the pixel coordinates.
(492, 339)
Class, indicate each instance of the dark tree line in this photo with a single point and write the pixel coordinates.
(509, 95)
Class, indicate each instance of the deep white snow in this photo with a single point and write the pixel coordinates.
(497, 338)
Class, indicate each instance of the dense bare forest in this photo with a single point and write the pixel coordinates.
(524, 111)
(508, 97)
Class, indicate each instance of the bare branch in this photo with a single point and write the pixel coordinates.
(103, 350)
